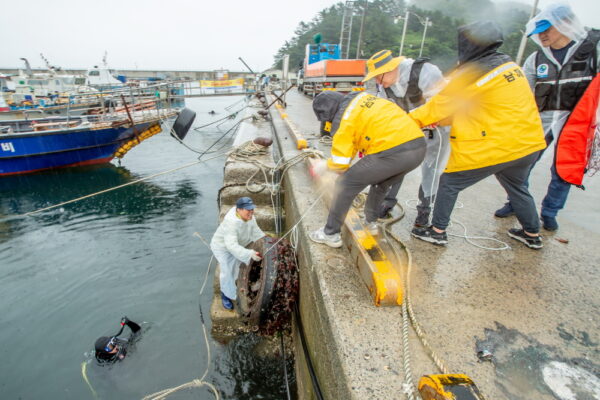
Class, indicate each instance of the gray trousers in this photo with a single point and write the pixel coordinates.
(512, 176)
(390, 200)
(380, 170)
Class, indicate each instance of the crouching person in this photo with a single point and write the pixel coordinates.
(391, 143)
(238, 229)
(496, 130)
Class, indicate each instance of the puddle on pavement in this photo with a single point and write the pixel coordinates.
(527, 369)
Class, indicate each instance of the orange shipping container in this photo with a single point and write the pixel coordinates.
(336, 68)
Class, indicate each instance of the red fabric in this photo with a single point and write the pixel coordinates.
(573, 146)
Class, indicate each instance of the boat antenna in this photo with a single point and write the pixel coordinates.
(27, 67)
(244, 62)
(104, 59)
(50, 67)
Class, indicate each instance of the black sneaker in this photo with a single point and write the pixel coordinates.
(533, 242)
(429, 235)
(549, 223)
(422, 219)
(505, 211)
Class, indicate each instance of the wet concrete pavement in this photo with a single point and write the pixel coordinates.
(536, 312)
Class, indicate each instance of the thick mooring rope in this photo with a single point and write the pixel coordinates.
(408, 314)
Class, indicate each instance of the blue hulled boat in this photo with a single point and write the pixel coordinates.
(30, 146)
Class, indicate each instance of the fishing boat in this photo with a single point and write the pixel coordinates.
(28, 146)
(48, 107)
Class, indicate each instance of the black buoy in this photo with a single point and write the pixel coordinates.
(183, 122)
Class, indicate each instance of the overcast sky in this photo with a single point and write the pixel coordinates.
(167, 34)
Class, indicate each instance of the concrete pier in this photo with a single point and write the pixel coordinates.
(244, 177)
(535, 312)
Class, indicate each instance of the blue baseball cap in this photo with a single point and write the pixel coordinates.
(540, 26)
(245, 203)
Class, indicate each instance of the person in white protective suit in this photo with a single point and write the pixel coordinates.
(558, 73)
(238, 229)
(409, 85)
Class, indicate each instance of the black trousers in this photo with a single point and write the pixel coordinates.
(512, 176)
(380, 170)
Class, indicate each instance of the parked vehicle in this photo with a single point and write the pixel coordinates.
(324, 70)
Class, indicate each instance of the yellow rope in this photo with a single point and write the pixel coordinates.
(85, 377)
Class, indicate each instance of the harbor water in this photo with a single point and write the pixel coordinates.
(68, 275)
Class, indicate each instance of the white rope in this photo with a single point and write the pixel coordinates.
(297, 223)
(468, 239)
(113, 188)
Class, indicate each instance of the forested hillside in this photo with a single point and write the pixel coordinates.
(383, 28)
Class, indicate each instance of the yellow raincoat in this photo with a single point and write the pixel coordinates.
(370, 125)
(494, 117)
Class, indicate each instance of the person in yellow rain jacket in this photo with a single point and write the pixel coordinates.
(391, 144)
(496, 130)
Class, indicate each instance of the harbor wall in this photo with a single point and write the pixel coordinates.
(347, 339)
(334, 342)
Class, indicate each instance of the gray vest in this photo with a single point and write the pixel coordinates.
(413, 96)
(561, 89)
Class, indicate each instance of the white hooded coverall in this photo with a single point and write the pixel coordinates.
(228, 246)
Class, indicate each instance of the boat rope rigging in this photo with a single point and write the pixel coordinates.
(162, 120)
(229, 116)
(207, 150)
(246, 152)
(64, 203)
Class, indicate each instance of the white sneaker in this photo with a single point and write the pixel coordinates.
(371, 227)
(319, 236)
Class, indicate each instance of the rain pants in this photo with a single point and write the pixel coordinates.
(228, 246)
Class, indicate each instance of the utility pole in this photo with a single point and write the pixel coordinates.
(427, 22)
(524, 38)
(360, 32)
(404, 30)
(346, 32)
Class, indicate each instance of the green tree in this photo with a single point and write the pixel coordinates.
(383, 28)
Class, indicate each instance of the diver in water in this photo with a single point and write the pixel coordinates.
(112, 349)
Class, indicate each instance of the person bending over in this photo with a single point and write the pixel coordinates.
(391, 143)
